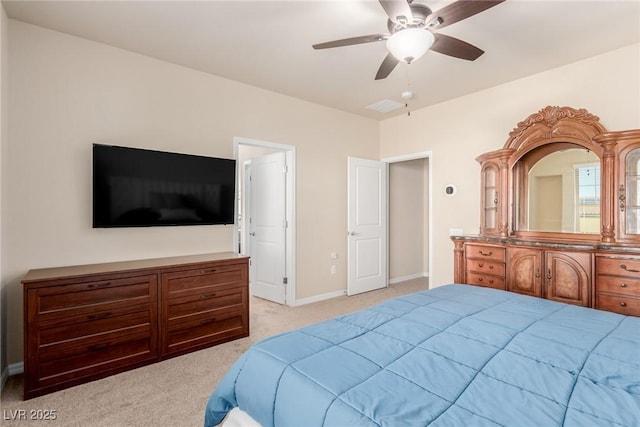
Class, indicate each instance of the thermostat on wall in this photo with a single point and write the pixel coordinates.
(449, 190)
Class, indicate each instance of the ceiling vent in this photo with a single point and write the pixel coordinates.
(385, 106)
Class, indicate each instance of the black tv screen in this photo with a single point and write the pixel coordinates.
(140, 188)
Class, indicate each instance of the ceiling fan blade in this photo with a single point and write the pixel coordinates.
(457, 48)
(459, 10)
(386, 67)
(351, 41)
(396, 9)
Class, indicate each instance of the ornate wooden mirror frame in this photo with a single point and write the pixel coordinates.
(549, 130)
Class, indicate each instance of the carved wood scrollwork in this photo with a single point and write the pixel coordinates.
(622, 198)
(555, 123)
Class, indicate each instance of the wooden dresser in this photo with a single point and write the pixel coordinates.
(598, 276)
(86, 322)
(559, 214)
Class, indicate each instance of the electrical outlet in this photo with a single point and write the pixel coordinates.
(333, 269)
(334, 255)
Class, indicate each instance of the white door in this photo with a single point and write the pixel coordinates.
(367, 225)
(267, 225)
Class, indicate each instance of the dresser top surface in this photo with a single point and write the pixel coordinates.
(120, 266)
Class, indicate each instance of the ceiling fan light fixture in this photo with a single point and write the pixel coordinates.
(410, 44)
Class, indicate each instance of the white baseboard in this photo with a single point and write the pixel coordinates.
(13, 369)
(319, 298)
(336, 294)
(16, 368)
(409, 277)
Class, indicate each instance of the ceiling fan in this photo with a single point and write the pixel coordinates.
(411, 32)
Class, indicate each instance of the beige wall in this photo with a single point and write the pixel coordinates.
(459, 130)
(66, 93)
(408, 226)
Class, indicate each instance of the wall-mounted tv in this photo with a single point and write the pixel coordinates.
(133, 187)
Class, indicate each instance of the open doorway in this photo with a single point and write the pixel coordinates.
(410, 217)
(265, 227)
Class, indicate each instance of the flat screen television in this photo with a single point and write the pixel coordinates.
(133, 187)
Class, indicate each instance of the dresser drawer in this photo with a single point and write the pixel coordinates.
(485, 252)
(615, 266)
(618, 285)
(87, 297)
(206, 279)
(60, 335)
(485, 267)
(486, 280)
(68, 349)
(618, 303)
(203, 329)
(176, 308)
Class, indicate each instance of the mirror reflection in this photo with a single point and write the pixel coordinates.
(564, 192)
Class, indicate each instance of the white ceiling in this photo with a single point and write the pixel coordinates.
(267, 43)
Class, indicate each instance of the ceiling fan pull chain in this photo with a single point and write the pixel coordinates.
(407, 94)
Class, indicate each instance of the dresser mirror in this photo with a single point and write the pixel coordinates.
(561, 190)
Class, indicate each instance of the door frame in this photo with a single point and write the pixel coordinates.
(428, 155)
(290, 197)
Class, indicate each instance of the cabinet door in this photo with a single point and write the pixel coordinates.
(524, 271)
(629, 193)
(568, 277)
(490, 184)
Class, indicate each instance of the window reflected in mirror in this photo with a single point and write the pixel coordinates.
(563, 190)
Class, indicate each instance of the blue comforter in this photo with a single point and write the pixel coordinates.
(455, 355)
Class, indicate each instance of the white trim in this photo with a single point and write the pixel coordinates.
(290, 293)
(16, 368)
(319, 298)
(409, 277)
(414, 156)
(11, 370)
(406, 157)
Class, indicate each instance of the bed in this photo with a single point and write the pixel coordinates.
(456, 355)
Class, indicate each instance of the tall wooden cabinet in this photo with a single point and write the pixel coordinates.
(87, 322)
(590, 254)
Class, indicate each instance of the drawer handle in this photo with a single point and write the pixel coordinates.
(630, 270)
(206, 321)
(208, 296)
(97, 347)
(623, 304)
(99, 315)
(491, 281)
(491, 267)
(209, 270)
(480, 279)
(485, 253)
(623, 285)
(99, 285)
(480, 264)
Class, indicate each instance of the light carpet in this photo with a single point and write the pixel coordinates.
(174, 392)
